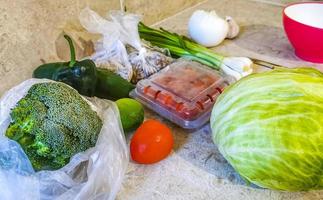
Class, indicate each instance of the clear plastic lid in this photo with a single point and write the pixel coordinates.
(184, 92)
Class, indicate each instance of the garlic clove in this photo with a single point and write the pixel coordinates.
(234, 28)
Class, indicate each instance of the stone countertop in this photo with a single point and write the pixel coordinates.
(196, 170)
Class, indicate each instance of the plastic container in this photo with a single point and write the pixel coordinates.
(184, 93)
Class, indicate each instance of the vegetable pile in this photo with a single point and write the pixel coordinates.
(269, 127)
(52, 123)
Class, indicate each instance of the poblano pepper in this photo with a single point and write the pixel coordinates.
(85, 77)
(81, 75)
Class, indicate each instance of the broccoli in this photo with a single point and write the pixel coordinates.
(52, 123)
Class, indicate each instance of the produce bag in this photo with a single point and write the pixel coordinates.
(123, 27)
(110, 52)
(144, 62)
(94, 174)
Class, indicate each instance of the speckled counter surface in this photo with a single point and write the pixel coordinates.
(196, 170)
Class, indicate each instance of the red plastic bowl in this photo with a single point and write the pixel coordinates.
(303, 23)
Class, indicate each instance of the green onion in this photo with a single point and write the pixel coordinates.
(180, 46)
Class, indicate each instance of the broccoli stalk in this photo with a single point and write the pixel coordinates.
(52, 123)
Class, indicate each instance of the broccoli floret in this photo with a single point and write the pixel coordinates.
(52, 123)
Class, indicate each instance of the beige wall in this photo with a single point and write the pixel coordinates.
(29, 28)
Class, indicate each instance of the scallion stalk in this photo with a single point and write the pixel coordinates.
(180, 46)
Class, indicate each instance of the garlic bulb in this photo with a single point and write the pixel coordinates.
(233, 28)
(237, 67)
(207, 28)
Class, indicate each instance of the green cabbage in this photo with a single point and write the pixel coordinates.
(269, 126)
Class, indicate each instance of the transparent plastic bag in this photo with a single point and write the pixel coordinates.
(119, 30)
(96, 173)
(110, 52)
(144, 61)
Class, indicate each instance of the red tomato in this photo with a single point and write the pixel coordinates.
(151, 143)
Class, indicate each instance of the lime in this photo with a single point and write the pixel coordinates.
(131, 114)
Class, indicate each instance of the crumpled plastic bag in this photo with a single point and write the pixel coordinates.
(110, 52)
(94, 174)
(143, 61)
(122, 28)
